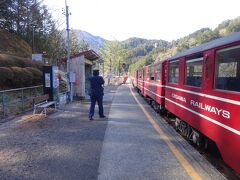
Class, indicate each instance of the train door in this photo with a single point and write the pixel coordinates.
(136, 79)
(143, 80)
(225, 98)
(140, 80)
(164, 74)
(158, 83)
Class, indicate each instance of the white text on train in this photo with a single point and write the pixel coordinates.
(211, 109)
(175, 96)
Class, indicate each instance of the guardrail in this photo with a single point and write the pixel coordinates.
(15, 101)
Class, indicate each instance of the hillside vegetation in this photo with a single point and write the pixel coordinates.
(32, 21)
(164, 50)
(13, 45)
(16, 72)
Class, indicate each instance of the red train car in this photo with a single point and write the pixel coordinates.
(140, 80)
(201, 87)
(134, 79)
(154, 80)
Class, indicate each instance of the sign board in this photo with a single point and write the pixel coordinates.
(55, 77)
(62, 99)
(47, 80)
(72, 77)
(37, 57)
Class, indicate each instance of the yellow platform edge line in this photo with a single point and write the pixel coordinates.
(180, 157)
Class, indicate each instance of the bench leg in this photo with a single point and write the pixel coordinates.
(34, 110)
(45, 112)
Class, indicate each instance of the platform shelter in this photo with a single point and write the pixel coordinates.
(81, 65)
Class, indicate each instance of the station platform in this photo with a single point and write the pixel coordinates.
(139, 144)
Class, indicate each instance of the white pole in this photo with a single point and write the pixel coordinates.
(69, 84)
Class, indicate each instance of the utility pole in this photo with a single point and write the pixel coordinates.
(69, 83)
(33, 44)
(103, 68)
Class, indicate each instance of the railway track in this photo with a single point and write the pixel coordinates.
(209, 151)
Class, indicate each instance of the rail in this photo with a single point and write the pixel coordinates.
(16, 101)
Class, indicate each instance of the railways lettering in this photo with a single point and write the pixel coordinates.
(211, 109)
(206, 77)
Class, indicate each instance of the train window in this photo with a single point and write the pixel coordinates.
(158, 72)
(227, 73)
(148, 73)
(140, 74)
(193, 72)
(152, 73)
(174, 72)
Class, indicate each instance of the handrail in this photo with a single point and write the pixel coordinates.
(11, 98)
(18, 89)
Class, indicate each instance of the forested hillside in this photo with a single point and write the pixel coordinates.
(93, 42)
(13, 45)
(24, 26)
(32, 22)
(169, 49)
(141, 47)
(18, 72)
(16, 68)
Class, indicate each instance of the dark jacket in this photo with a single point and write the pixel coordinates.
(96, 88)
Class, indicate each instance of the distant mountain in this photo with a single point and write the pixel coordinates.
(135, 42)
(136, 46)
(229, 26)
(94, 42)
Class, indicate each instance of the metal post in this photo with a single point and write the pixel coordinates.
(33, 39)
(70, 97)
(3, 104)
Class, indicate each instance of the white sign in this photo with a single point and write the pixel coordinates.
(37, 57)
(55, 79)
(47, 80)
(72, 77)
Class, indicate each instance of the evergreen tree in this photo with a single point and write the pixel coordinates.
(75, 47)
(84, 46)
(114, 55)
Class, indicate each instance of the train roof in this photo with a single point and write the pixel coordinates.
(209, 45)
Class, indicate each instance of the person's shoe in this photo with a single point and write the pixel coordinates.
(90, 118)
(102, 116)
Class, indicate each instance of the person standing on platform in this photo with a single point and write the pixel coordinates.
(109, 77)
(96, 94)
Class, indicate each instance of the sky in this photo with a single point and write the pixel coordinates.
(150, 19)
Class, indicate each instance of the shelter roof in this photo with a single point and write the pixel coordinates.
(89, 54)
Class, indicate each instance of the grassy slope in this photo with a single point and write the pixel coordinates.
(13, 45)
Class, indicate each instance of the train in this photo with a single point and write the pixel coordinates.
(201, 88)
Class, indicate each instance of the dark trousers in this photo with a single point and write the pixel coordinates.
(99, 100)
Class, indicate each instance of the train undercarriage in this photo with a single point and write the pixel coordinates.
(187, 131)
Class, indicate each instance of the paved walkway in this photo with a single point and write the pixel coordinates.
(64, 146)
(132, 148)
